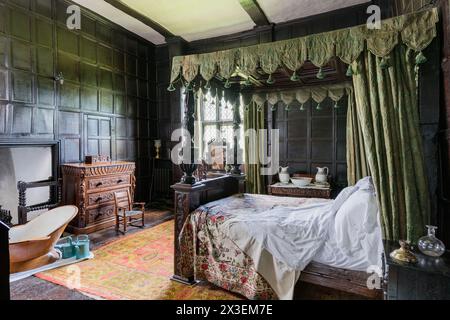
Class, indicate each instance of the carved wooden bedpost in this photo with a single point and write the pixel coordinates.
(236, 170)
(189, 124)
(187, 199)
(187, 196)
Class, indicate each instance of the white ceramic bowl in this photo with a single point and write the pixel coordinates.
(301, 181)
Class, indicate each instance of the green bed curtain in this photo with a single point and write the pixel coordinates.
(388, 116)
(357, 167)
(253, 119)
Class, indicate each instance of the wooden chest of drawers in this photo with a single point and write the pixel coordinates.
(91, 188)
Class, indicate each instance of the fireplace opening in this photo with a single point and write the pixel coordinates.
(26, 162)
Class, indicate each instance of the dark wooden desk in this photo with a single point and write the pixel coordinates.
(428, 279)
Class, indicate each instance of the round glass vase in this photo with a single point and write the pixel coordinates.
(430, 245)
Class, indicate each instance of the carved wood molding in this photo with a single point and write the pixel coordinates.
(298, 192)
(98, 170)
(109, 182)
(182, 205)
(99, 198)
(82, 200)
(101, 213)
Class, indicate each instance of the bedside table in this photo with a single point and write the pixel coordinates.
(428, 279)
(290, 190)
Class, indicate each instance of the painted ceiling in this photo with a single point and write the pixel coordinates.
(202, 19)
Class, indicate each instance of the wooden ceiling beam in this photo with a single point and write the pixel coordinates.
(138, 16)
(255, 12)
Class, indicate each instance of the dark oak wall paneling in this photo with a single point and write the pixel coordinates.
(107, 104)
(313, 138)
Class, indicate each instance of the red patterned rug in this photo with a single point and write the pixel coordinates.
(136, 267)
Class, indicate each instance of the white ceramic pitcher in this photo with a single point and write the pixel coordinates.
(322, 175)
(283, 175)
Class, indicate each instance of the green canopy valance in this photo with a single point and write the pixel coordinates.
(302, 95)
(415, 30)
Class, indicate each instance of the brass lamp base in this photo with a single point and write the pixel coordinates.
(404, 254)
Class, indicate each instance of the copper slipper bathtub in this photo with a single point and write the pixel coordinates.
(32, 245)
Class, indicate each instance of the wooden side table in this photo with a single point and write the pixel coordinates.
(290, 190)
(428, 279)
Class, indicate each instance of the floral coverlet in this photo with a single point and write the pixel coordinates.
(212, 256)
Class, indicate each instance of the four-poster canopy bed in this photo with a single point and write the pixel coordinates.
(382, 141)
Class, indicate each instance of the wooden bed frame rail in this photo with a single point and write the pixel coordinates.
(190, 197)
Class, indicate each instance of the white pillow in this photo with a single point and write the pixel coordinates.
(342, 197)
(356, 218)
(363, 184)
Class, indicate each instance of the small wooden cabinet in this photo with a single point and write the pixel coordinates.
(428, 279)
(91, 188)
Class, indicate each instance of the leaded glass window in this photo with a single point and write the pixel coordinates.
(216, 124)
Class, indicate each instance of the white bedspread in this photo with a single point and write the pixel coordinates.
(283, 239)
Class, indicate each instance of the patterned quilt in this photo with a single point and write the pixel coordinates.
(216, 258)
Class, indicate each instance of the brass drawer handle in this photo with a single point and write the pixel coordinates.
(99, 199)
(119, 181)
(99, 184)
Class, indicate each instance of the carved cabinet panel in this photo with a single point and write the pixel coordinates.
(91, 188)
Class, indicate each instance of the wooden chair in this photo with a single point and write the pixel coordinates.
(127, 212)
